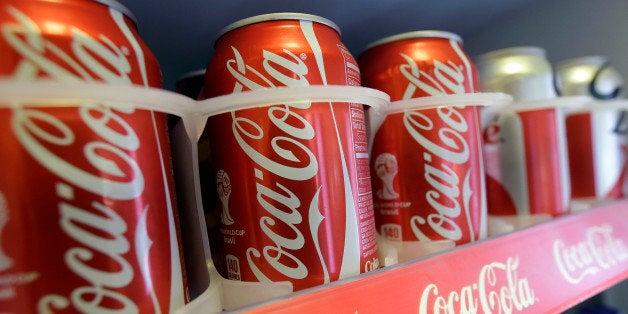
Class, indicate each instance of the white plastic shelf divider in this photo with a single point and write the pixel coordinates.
(546, 268)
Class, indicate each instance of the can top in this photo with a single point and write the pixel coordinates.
(415, 34)
(278, 17)
(586, 60)
(118, 7)
(512, 51)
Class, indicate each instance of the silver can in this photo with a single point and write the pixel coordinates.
(591, 76)
(522, 72)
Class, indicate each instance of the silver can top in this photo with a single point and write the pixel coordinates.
(415, 34)
(278, 17)
(589, 75)
(523, 72)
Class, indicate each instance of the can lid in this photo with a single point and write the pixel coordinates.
(278, 17)
(415, 34)
(512, 51)
(118, 7)
(586, 60)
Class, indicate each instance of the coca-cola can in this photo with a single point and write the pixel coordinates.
(526, 74)
(597, 139)
(522, 72)
(87, 213)
(292, 178)
(427, 161)
(191, 84)
(592, 76)
(417, 64)
(533, 158)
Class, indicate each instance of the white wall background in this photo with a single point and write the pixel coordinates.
(565, 28)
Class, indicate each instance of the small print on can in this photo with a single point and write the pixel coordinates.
(87, 212)
(293, 182)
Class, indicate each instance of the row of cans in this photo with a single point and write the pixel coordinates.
(293, 192)
(291, 185)
(551, 149)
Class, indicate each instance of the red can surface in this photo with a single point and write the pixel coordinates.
(87, 213)
(415, 64)
(597, 145)
(430, 180)
(533, 157)
(293, 180)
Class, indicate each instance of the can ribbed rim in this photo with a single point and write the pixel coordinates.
(118, 7)
(586, 60)
(512, 51)
(415, 34)
(278, 17)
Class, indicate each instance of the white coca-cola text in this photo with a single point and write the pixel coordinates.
(448, 194)
(288, 160)
(599, 251)
(99, 231)
(498, 290)
(447, 79)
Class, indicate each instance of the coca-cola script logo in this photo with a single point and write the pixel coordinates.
(296, 129)
(449, 194)
(599, 251)
(448, 78)
(498, 290)
(98, 232)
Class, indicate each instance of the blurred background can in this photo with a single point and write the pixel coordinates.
(597, 134)
(100, 231)
(525, 146)
(404, 164)
(592, 76)
(292, 180)
(523, 72)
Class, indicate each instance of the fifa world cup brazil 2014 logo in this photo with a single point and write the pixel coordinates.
(223, 184)
(386, 169)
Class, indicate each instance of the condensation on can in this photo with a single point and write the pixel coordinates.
(523, 72)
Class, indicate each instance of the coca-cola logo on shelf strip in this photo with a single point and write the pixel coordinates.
(598, 251)
(498, 289)
(111, 157)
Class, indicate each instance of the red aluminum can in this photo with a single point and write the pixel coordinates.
(597, 147)
(429, 181)
(416, 64)
(533, 158)
(191, 84)
(293, 180)
(88, 218)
